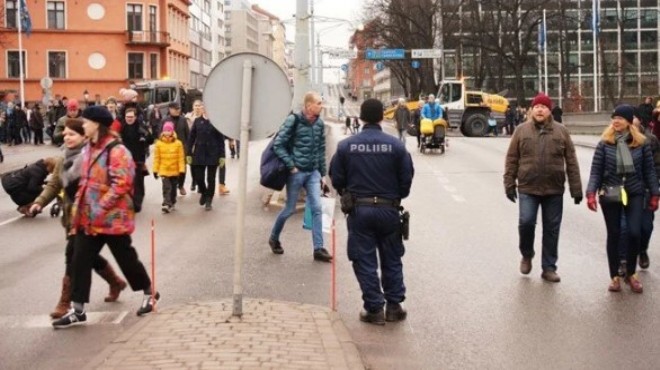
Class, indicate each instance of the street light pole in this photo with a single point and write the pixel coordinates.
(301, 56)
(312, 28)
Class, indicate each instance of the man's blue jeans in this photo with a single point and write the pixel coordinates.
(552, 207)
(311, 181)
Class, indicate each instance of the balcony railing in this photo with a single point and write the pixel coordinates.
(158, 38)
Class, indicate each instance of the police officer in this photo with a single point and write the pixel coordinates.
(377, 170)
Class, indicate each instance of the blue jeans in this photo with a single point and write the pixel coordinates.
(552, 208)
(311, 181)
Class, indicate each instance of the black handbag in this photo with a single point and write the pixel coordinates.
(412, 130)
(611, 194)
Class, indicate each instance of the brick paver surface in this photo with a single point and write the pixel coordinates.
(269, 335)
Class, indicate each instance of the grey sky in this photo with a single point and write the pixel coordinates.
(331, 34)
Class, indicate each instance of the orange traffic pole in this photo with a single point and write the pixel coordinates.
(333, 298)
(153, 264)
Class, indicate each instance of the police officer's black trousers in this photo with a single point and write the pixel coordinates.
(85, 250)
(373, 233)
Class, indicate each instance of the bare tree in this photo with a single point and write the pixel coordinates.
(504, 32)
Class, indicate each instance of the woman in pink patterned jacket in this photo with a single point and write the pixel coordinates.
(103, 214)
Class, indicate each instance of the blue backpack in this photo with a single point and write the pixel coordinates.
(273, 170)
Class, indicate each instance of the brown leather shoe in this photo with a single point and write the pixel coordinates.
(525, 265)
(376, 318)
(65, 299)
(116, 283)
(395, 312)
(550, 276)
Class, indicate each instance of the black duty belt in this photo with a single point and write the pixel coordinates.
(378, 201)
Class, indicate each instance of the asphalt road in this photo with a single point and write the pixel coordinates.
(468, 305)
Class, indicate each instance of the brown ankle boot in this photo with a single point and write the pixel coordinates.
(65, 299)
(116, 283)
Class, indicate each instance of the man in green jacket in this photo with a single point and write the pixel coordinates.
(300, 143)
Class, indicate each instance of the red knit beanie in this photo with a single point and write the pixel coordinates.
(542, 99)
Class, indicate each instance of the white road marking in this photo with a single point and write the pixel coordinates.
(450, 189)
(458, 198)
(10, 220)
(44, 321)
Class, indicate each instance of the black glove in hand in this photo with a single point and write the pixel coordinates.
(512, 195)
(155, 176)
(577, 199)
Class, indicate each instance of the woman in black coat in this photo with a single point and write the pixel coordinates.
(25, 185)
(623, 160)
(205, 152)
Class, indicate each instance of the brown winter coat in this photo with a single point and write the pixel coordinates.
(539, 158)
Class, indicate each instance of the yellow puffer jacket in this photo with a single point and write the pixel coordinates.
(169, 158)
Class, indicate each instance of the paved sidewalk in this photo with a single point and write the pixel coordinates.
(270, 335)
(587, 141)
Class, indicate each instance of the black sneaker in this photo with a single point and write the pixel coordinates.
(644, 262)
(376, 318)
(275, 246)
(72, 318)
(165, 208)
(202, 199)
(208, 206)
(395, 312)
(322, 255)
(147, 304)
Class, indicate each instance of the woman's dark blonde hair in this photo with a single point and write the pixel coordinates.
(50, 164)
(638, 138)
(75, 124)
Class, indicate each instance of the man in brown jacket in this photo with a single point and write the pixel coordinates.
(540, 155)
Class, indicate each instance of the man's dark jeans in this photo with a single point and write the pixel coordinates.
(552, 208)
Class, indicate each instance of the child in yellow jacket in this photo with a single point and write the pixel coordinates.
(169, 163)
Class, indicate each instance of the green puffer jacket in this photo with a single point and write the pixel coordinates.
(302, 144)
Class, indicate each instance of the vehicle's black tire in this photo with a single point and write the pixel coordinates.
(476, 125)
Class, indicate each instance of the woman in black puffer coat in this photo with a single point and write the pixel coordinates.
(205, 152)
(622, 159)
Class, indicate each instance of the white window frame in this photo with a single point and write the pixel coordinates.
(66, 63)
(25, 61)
(128, 65)
(126, 15)
(4, 13)
(66, 18)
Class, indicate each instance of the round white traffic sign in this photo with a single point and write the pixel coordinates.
(270, 100)
(46, 82)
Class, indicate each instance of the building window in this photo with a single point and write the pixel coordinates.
(56, 15)
(10, 10)
(153, 14)
(57, 64)
(207, 6)
(135, 65)
(134, 17)
(153, 65)
(13, 68)
(228, 43)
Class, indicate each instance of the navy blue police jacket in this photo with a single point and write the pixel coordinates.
(372, 164)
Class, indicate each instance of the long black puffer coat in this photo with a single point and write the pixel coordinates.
(25, 185)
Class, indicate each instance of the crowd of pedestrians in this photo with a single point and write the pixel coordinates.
(103, 165)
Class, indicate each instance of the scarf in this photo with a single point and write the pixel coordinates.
(624, 161)
(72, 166)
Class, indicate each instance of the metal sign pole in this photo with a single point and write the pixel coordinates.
(246, 99)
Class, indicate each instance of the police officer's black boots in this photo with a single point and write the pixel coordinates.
(395, 312)
(376, 318)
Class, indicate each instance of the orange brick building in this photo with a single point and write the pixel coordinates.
(94, 46)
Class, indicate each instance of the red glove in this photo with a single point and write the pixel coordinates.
(591, 202)
(653, 203)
